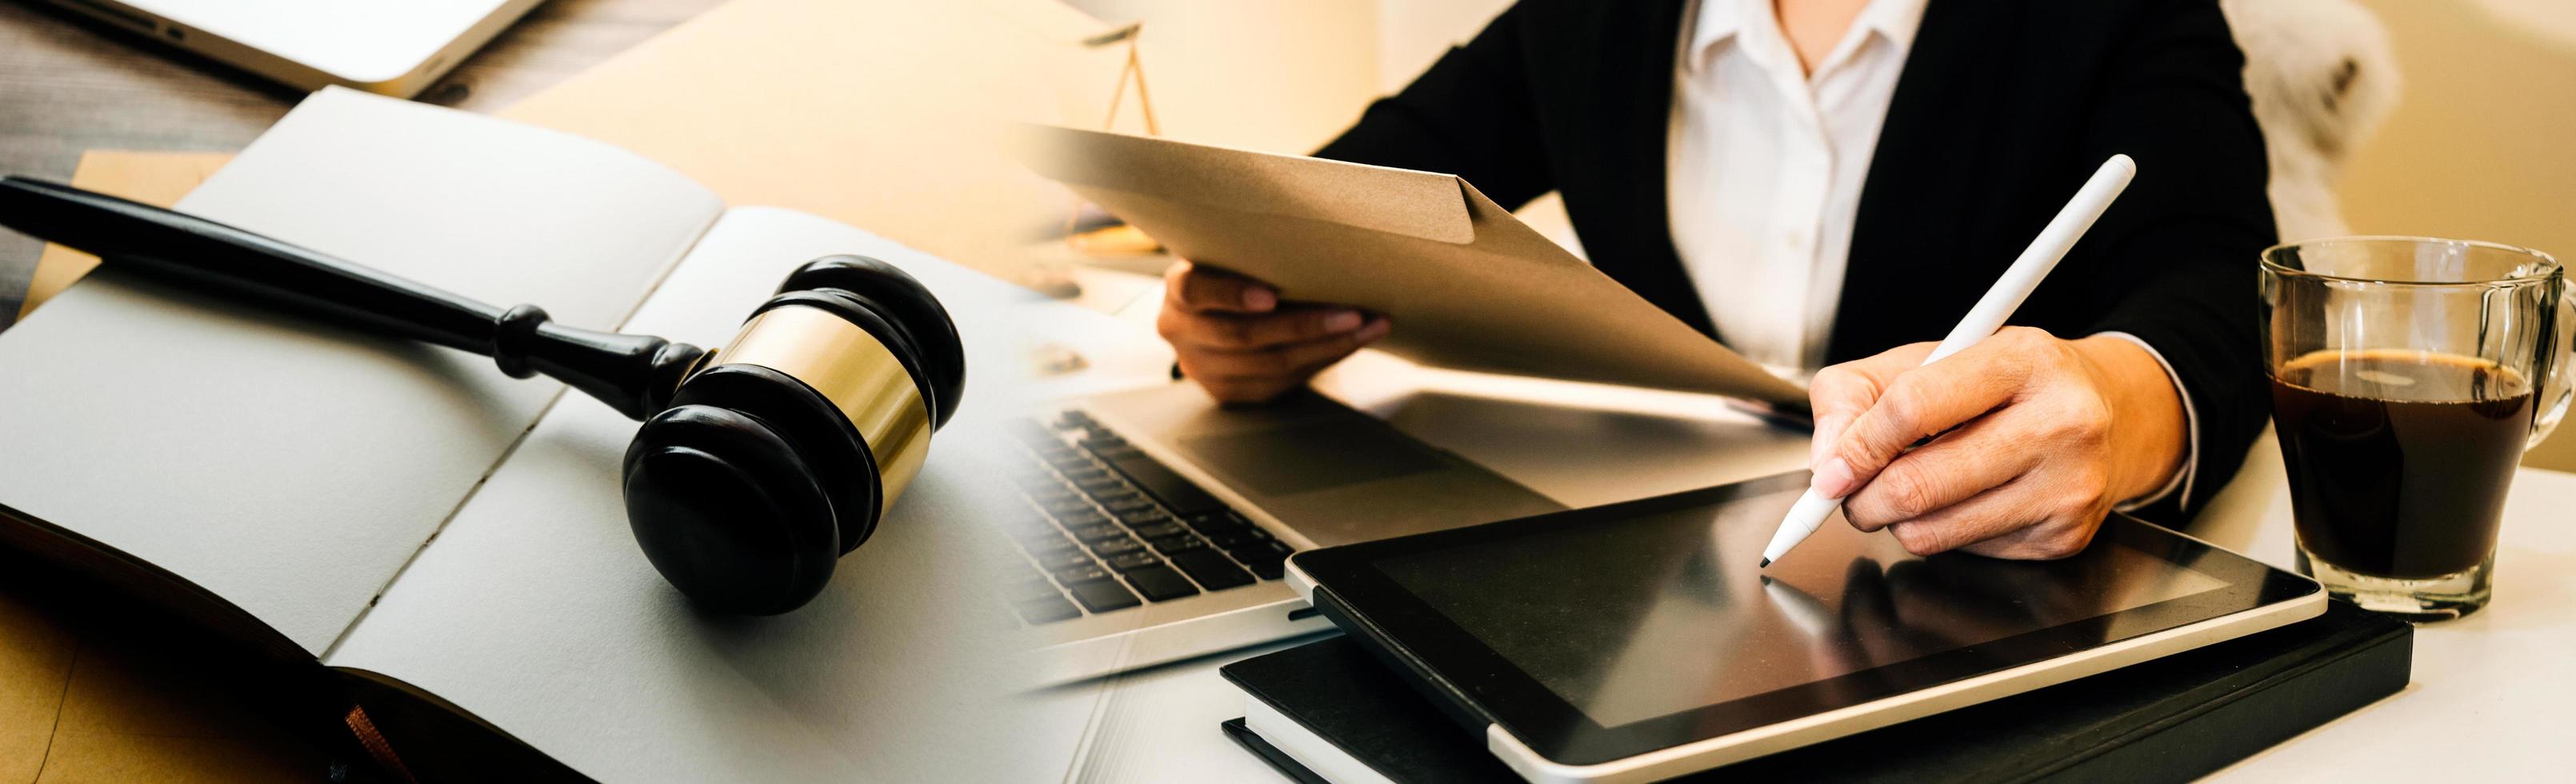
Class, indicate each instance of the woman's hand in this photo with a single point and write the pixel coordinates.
(2037, 438)
(1235, 337)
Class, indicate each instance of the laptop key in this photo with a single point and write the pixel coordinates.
(1176, 492)
(1046, 609)
(1168, 545)
(1099, 531)
(1270, 569)
(1145, 516)
(1133, 561)
(1161, 529)
(1062, 560)
(1211, 569)
(1081, 517)
(1160, 584)
(1111, 548)
(1267, 559)
(1100, 484)
(1236, 537)
(1103, 595)
(1212, 522)
(1130, 502)
(1079, 573)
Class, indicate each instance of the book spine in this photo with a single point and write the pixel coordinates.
(2190, 746)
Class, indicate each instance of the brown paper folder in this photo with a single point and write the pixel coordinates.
(1468, 286)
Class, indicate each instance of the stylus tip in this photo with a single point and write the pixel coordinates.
(1766, 564)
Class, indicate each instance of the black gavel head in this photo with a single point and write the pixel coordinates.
(781, 451)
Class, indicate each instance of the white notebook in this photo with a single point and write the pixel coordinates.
(407, 515)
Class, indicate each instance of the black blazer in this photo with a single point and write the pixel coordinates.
(2004, 107)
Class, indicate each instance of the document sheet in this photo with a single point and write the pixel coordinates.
(1467, 285)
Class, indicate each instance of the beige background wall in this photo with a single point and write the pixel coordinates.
(2483, 142)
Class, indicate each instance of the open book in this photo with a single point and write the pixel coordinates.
(448, 545)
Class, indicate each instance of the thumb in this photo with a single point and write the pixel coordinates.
(1841, 393)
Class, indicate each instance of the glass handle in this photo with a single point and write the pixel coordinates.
(2561, 381)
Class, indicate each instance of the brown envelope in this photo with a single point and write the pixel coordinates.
(1467, 285)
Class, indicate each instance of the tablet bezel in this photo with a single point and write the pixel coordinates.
(1371, 605)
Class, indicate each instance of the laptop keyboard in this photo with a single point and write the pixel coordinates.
(1110, 529)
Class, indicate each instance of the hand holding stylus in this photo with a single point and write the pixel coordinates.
(2033, 438)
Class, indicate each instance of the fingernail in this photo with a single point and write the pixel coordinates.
(1833, 479)
(1258, 298)
(1376, 329)
(1342, 321)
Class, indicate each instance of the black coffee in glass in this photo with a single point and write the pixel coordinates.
(2408, 375)
(2400, 460)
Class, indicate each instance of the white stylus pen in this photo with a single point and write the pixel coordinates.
(1999, 303)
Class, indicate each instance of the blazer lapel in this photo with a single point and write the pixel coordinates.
(1913, 215)
(1637, 100)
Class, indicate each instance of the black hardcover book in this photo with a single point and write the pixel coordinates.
(2170, 719)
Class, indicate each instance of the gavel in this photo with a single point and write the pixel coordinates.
(758, 465)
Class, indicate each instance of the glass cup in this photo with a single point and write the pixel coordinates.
(2408, 376)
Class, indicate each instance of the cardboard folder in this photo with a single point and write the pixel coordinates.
(1467, 285)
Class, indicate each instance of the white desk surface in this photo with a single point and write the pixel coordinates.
(2493, 695)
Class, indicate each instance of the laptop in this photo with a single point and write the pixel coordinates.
(1158, 522)
(391, 48)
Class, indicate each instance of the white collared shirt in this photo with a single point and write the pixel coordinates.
(1765, 167)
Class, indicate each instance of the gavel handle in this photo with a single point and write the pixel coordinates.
(634, 374)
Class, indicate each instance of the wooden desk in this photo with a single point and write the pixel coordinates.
(69, 84)
(84, 696)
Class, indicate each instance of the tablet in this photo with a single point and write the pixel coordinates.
(1638, 641)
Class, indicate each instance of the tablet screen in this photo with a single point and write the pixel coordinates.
(1643, 617)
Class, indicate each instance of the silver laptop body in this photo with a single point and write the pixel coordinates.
(1304, 472)
(391, 48)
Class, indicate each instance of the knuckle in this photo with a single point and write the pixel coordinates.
(1834, 377)
(2088, 490)
(1908, 493)
(1918, 538)
(2059, 545)
(2027, 337)
(1862, 519)
(2086, 420)
(1310, 326)
(1276, 364)
(1902, 406)
(1234, 332)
